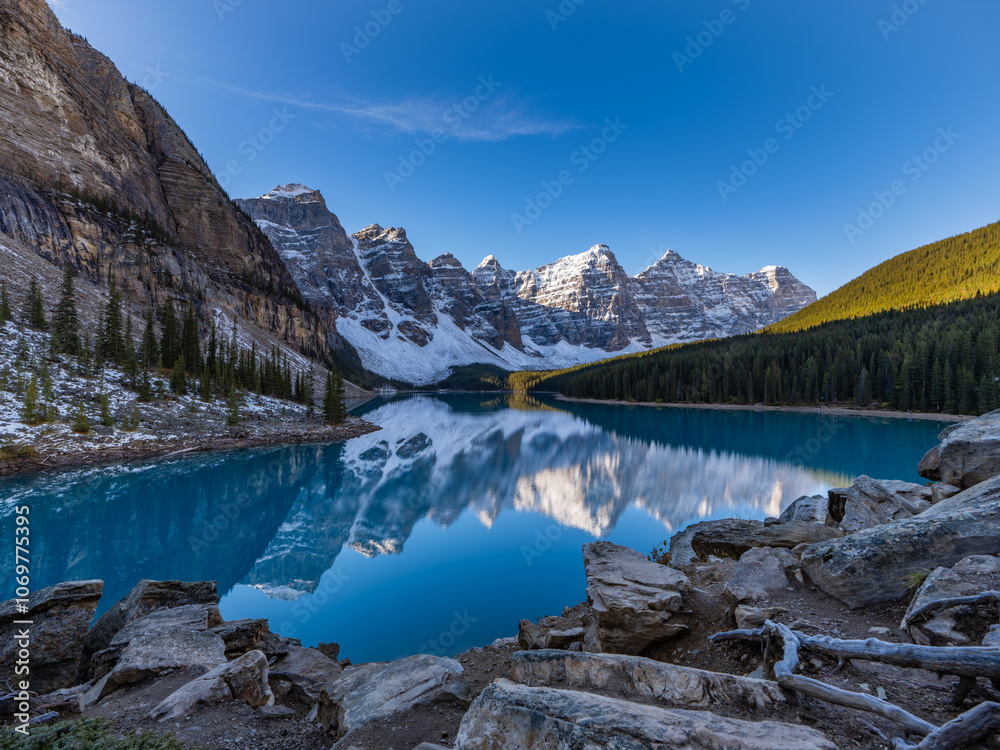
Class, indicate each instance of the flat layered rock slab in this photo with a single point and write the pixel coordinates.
(637, 679)
(509, 716)
(374, 691)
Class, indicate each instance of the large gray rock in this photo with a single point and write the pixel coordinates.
(509, 716)
(60, 616)
(244, 679)
(879, 564)
(732, 537)
(968, 455)
(152, 654)
(145, 598)
(814, 509)
(871, 502)
(308, 662)
(636, 679)
(368, 692)
(632, 600)
(190, 617)
(555, 632)
(761, 573)
(968, 577)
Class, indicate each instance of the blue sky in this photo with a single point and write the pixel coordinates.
(512, 101)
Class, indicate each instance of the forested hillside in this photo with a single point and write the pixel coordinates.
(941, 358)
(951, 270)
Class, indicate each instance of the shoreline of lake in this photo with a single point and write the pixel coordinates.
(353, 427)
(834, 411)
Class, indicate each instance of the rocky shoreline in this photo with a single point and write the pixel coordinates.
(236, 439)
(881, 597)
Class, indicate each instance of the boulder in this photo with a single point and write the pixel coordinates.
(190, 617)
(750, 618)
(308, 662)
(241, 636)
(992, 637)
(374, 691)
(152, 654)
(879, 564)
(60, 617)
(732, 537)
(632, 600)
(554, 632)
(145, 598)
(636, 679)
(244, 679)
(761, 572)
(815, 509)
(871, 503)
(968, 577)
(969, 453)
(509, 716)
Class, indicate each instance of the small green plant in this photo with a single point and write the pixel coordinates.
(233, 410)
(661, 553)
(916, 579)
(86, 733)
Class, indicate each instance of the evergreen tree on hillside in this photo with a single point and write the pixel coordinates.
(31, 411)
(149, 350)
(80, 422)
(5, 312)
(170, 344)
(112, 335)
(190, 344)
(34, 307)
(333, 399)
(233, 409)
(65, 321)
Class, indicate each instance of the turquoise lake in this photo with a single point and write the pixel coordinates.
(462, 516)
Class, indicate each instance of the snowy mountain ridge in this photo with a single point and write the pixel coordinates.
(414, 321)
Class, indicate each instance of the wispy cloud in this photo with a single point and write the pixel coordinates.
(499, 117)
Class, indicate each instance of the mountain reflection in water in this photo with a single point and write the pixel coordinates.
(459, 504)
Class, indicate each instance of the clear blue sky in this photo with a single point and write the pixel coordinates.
(221, 68)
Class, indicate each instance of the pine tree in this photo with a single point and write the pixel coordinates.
(233, 409)
(5, 313)
(80, 423)
(145, 387)
(65, 321)
(190, 343)
(178, 380)
(106, 418)
(131, 423)
(113, 338)
(333, 399)
(149, 350)
(31, 411)
(170, 345)
(34, 307)
(130, 363)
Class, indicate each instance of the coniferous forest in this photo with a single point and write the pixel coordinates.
(937, 359)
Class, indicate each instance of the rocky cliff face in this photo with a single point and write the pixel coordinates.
(414, 320)
(95, 173)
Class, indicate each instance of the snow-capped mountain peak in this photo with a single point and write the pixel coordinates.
(414, 321)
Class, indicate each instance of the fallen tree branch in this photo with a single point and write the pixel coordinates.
(979, 600)
(971, 727)
(784, 674)
(960, 661)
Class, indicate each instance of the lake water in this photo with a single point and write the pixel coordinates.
(462, 516)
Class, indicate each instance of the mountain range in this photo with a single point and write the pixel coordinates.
(414, 320)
